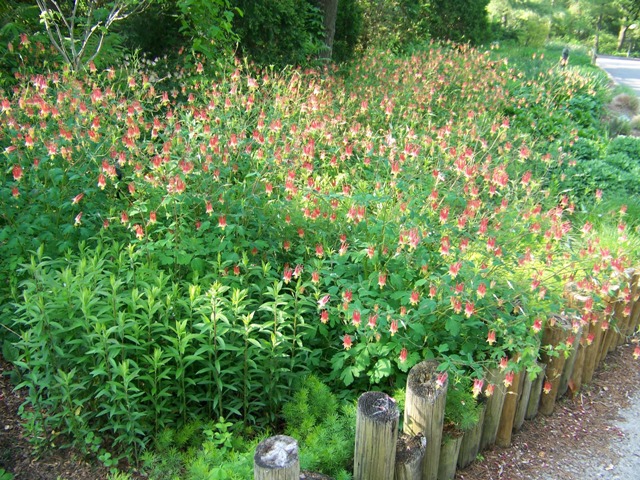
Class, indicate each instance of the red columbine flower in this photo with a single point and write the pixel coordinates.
(537, 325)
(102, 181)
(17, 172)
(415, 298)
(78, 219)
(124, 217)
(319, 250)
(403, 355)
(491, 337)
(441, 379)
(482, 290)
(15, 192)
(286, 245)
(598, 195)
(371, 251)
(77, 198)
(153, 218)
(489, 390)
(373, 319)
(346, 342)
(355, 318)
(394, 327)
(209, 208)
(139, 231)
(322, 303)
(382, 280)
(454, 269)
(347, 296)
(504, 361)
(324, 316)
(547, 387)
(508, 379)
(287, 275)
(315, 277)
(222, 221)
(590, 338)
(469, 309)
(477, 387)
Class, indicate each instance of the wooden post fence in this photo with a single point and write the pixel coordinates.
(376, 436)
(424, 411)
(276, 458)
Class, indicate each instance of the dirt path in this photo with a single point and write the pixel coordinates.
(625, 71)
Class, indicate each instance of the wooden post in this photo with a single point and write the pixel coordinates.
(536, 391)
(493, 412)
(523, 401)
(376, 436)
(409, 456)
(424, 411)
(592, 352)
(555, 333)
(575, 381)
(449, 451)
(276, 458)
(570, 362)
(505, 426)
(471, 442)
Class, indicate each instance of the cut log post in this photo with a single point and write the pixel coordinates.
(493, 412)
(592, 354)
(276, 458)
(376, 436)
(505, 426)
(570, 362)
(555, 333)
(536, 391)
(449, 451)
(471, 441)
(409, 456)
(424, 411)
(575, 381)
(523, 401)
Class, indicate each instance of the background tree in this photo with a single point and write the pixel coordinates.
(459, 20)
(78, 29)
(630, 12)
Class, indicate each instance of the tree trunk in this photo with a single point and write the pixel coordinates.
(330, 13)
(621, 36)
(596, 43)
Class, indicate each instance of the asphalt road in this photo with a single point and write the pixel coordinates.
(623, 71)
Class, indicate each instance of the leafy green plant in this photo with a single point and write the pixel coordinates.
(325, 432)
(4, 475)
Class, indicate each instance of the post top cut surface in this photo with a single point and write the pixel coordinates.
(378, 406)
(276, 452)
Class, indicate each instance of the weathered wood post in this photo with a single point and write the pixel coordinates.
(505, 426)
(570, 362)
(523, 401)
(409, 456)
(536, 391)
(471, 441)
(578, 302)
(555, 333)
(592, 352)
(424, 411)
(276, 458)
(634, 318)
(493, 411)
(376, 436)
(449, 451)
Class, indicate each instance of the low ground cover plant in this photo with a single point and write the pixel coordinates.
(195, 253)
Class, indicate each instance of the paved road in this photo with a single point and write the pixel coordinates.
(624, 71)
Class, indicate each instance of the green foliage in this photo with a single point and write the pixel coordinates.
(458, 20)
(279, 32)
(393, 24)
(462, 411)
(4, 475)
(349, 29)
(208, 24)
(325, 433)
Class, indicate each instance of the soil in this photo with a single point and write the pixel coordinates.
(593, 435)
